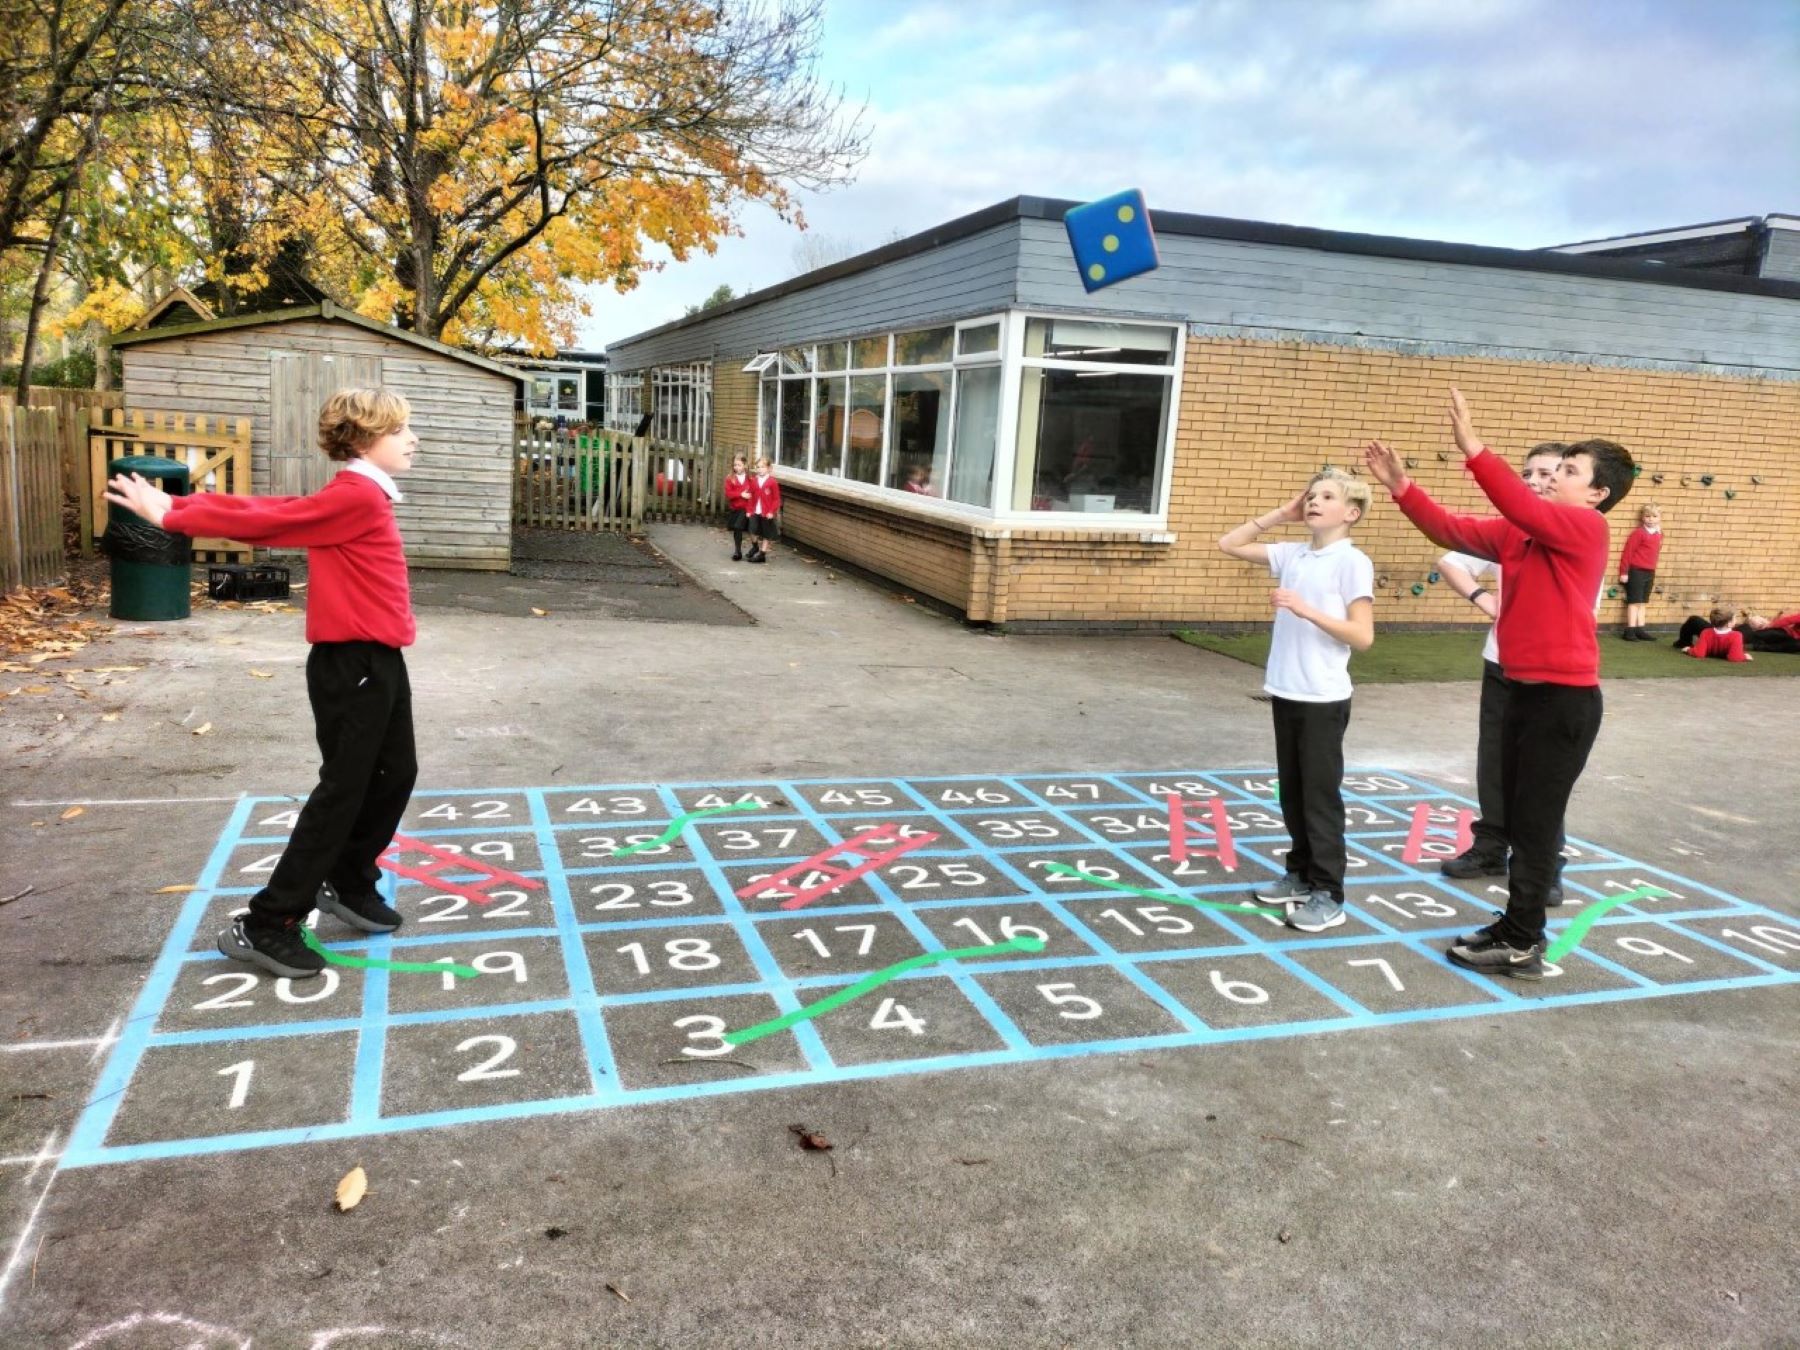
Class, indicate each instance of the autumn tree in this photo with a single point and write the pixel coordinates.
(467, 166)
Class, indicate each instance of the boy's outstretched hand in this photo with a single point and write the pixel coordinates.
(1462, 427)
(1385, 464)
(139, 494)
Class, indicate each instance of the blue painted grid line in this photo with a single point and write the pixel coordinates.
(596, 1045)
(109, 1090)
(999, 858)
(371, 1036)
(1145, 985)
(768, 969)
(844, 1073)
(984, 1003)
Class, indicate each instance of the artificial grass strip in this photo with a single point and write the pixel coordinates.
(1413, 658)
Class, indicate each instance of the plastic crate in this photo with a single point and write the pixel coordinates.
(247, 581)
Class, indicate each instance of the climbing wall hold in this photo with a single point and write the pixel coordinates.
(1729, 494)
(1418, 588)
(1706, 480)
(1656, 478)
(1432, 577)
(1612, 592)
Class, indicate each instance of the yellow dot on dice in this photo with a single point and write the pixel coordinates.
(1110, 243)
(1127, 213)
(1096, 271)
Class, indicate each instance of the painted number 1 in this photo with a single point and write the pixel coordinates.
(240, 1089)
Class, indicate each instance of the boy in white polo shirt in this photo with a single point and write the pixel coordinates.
(1324, 610)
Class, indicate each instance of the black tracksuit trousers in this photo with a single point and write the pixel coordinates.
(362, 714)
(1309, 762)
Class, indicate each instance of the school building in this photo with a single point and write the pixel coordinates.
(956, 413)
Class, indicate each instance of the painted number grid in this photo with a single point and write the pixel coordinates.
(613, 980)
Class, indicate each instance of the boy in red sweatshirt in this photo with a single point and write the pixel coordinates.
(1553, 551)
(358, 618)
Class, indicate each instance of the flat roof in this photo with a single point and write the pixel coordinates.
(325, 309)
(1255, 232)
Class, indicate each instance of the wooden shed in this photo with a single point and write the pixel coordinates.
(277, 369)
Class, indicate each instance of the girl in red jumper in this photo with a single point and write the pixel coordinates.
(737, 505)
(358, 617)
(765, 506)
(1637, 572)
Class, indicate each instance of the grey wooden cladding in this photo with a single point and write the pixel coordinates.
(456, 507)
(969, 276)
(1267, 286)
(1233, 283)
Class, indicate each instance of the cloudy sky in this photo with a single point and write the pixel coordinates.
(1511, 122)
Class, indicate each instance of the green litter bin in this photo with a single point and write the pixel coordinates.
(152, 569)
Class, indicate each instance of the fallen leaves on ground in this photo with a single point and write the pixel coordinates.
(203, 728)
(262, 674)
(74, 811)
(40, 623)
(541, 613)
(810, 1140)
(175, 890)
(352, 1189)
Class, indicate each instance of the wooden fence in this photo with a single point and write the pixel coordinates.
(608, 480)
(31, 498)
(215, 449)
(69, 405)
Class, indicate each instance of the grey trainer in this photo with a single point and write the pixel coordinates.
(1318, 913)
(1285, 889)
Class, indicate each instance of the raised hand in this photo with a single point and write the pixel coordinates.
(1386, 466)
(136, 493)
(1295, 510)
(1461, 426)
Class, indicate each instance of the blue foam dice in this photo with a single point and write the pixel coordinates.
(1112, 239)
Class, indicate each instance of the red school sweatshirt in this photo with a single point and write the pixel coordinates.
(357, 588)
(1553, 558)
(1642, 549)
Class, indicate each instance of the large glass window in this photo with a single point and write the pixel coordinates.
(919, 440)
(796, 418)
(920, 412)
(624, 401)
(977, 435)
(682, 403)
(1092, 421)
(868, 403)
(828, 424)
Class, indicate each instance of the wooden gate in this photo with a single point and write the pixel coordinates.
(31, 532)
(607, 480)
(215, 449)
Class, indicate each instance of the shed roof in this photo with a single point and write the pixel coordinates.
(326, 310)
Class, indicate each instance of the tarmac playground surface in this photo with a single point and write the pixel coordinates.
(1139, 1121)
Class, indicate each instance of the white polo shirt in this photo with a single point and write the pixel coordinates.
(1307, 664)
(1482, 569)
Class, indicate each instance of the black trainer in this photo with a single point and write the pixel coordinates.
(1554, 896)
(1494, 955)
(1475, 862)
(280, 951)
(365, 909)
(1486, 933)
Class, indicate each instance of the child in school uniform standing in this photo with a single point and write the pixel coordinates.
(1324, 610)
(765, 507)
(1637, 571)
(358, 618)
(737, 505)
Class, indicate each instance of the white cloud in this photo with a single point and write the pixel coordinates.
(1515, 122)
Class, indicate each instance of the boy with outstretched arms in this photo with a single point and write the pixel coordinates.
(1466, 574)
(1553, 551)
(1324, 610)
(358, 617)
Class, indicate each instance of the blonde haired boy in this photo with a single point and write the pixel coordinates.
(1324, 610)
(358, 618)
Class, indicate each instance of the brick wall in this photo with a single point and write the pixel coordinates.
(1258, 418)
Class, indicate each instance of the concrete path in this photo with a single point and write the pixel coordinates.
(1610, 1173)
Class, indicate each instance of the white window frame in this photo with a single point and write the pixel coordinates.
(1011, 359)
(681, 401)
(624, 388)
